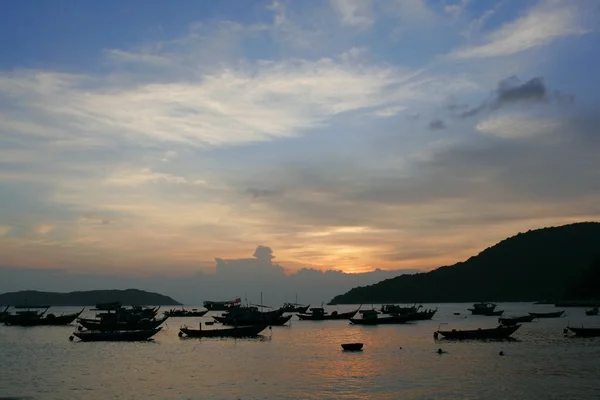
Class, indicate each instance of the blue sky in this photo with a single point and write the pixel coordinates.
(151, 137)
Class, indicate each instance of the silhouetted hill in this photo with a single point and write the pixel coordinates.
(588, 286)
(539, 264)
(87, 298)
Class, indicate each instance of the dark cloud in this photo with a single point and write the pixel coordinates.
(436, 124)
(511, 90)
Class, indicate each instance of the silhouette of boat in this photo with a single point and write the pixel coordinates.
(371, 317)
(396, 309)
(584, 332)
(511, 321)
(222, 305)
(235, 332)
(22, 316)
(294, 308)
(45, 320)
(500, 332)
(352, 346)
(593, 311)
(115, 336)
(250, 315)
(420, 315)
(114, 324)
(555, 314)
(319, 314)
(487, 309)
(194, 312)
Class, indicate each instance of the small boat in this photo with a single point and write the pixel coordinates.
(556, 314)
(319, 314)
(371, 317)
(115, 336)
(105, 325)
(294, 308)
(396, 309)
(421, 315)
(235, 332)
(487, 309)
(194, 312)
(593, 311)
(46, 320)
(222, 305)
(511, 321)
(500, 332)
(585, 332)
(352, 346)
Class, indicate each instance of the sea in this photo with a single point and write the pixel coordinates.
(305, 361)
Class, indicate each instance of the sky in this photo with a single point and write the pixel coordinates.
(143, 139)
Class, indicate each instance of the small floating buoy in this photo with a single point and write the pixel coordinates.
(456, 313)
(440, 351)
(501, 353)
(71, 338)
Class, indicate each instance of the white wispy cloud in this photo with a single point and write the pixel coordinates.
(358, 13)
(249, 103)
(546, 22)
(518, 125)
(43, 229)
(135, 177)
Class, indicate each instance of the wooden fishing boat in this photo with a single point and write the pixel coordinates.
(194, 312)
(294, 308)
(352, 346)
(593, 311)
(511, 321)
(117, 325)
(46, 320)
(555, 314)
(420, 315)
(486, 309)
(319, 314)
(500, 332)
(396, 309)
(585, 332)
(371, 317)
(235, 332)
(222, 305)
(115, 336)
(254, 320)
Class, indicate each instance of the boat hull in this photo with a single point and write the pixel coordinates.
(585, 332)
(501, 332)
(515, 320)
(326, 317)
(119, 336)
(98, 325)
(48, 320)
(556, 314)
(237, 332)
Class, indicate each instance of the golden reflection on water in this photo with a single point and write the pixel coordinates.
(305, 361)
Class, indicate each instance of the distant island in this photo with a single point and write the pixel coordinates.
(557, 263)
(133, 297)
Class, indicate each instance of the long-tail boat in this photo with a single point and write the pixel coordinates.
(235, 332)
(319, 314)
(511, 321)
(115, 336)
(194, 312)
(486, 309)
(396, 309)
(46, 320)
(584, 332)
(500, 332)
(593, 311)
(24, 315)
(420, 315)
(114, 324)
(371, 317)
(294, 308)
(555, 314)
(222, 305)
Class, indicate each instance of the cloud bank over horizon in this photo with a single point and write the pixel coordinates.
(245, 278)
(348, 135)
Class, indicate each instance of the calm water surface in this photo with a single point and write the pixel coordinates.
(305, 361)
